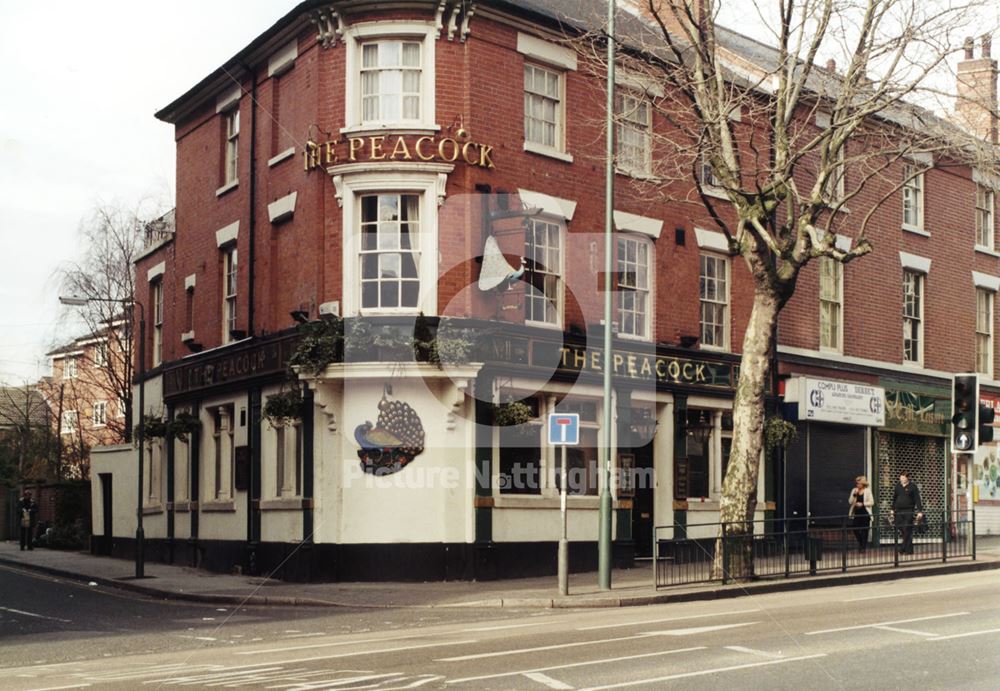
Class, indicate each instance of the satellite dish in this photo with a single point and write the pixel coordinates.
(495, 268)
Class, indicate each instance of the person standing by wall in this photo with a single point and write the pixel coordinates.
(862, 502)
(906, 501)
(27, 510)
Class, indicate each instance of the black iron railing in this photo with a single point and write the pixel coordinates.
(785, 548)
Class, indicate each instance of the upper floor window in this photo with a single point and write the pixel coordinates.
(913, 317)
(913, 198)
(100, 414)
(157, 288)
(714, 295)
(833, 189)
(390, 251)
(633, 140)
(69, 368)
(229, 273)
(984, 331)
(68, 423)
(984, 216)
(231, 154)
(706, 174)
(831, 301)
(543, 107)
(390, 81)
(543, 252)
(100, 354)
(633, 287)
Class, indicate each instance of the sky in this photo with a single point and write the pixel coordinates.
(77, 130)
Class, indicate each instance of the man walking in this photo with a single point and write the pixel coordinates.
(906, 501)
(27, 509)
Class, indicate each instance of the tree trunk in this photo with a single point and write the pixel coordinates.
(734, 559)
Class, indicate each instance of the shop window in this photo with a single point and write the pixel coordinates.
(984, 217)
(520, 459)
(223, 452)
(633, 142)
(390, 252)
(543, 254)
(984, 331)
(288, 460)
(633, 286)
(699, 445)
(913, 312)
(714, 296)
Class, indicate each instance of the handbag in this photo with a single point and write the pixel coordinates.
(25, 518)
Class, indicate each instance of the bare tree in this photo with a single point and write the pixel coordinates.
(774, 148)
(25, 435)
(111, 239)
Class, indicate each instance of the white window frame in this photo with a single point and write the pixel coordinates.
(628, 104)
(100, 358)
(99, 414)
(559, 273)
(643, 314)
(378, 253)
(917, 318)
(558, 148)
(355, 37)
(726, 302)
(69, 368)
(424, 179)
(68, 423)
(231, 153)
(985, 215)
(230, 285)
(835, 186)
(915, 187)
(984, 331)
(157, 288)
(835, 301)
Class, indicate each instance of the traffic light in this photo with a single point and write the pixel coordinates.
(984, 426)
(965, 409)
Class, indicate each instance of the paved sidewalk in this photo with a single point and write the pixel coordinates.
(631, 587)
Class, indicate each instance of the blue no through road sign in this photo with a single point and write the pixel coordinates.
(564, 429)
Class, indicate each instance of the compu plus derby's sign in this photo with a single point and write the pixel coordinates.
(399, 147)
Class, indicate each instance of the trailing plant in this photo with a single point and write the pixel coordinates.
(321, 343)
(153, 427)
(511, 413)
(283, 407)
(182, 426)
(778, 432)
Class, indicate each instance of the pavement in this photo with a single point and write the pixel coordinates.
(630, 587)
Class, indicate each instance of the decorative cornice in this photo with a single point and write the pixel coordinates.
(329, 25)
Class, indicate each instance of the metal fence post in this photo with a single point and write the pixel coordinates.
(724, 540)
(656, 560)
(843, 545)
(787, 555)
(972, 536)
(944, 537)
(895, 540)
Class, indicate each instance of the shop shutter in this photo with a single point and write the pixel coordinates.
(836, 457)
(922, 457)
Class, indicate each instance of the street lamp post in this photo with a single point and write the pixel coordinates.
(140, 535)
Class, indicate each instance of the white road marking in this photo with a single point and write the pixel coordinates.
(964, 635)
(576, 664)
(32, 614)
(375, 652)
(899, 630)
(758, 653)
(505, 626)
(56, 688)
(886, 623)
(304, 635)
(660, 621)
(697, 630)
(518, 651)
(705, 672)
(335, 644)
(547, 680)
(333, 683)
(918, 592)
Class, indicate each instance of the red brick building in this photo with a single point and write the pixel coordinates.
(390, 167)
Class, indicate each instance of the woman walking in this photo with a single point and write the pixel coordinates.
(862, 502)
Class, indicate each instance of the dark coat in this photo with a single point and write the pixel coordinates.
(907, 498)
(31, 507)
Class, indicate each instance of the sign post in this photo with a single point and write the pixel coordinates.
(564, 430)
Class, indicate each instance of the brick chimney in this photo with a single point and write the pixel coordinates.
(695, 7)
(976, 102)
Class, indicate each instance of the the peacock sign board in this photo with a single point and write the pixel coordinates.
(396, 438)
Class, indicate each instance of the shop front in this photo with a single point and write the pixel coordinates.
(977, 479)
